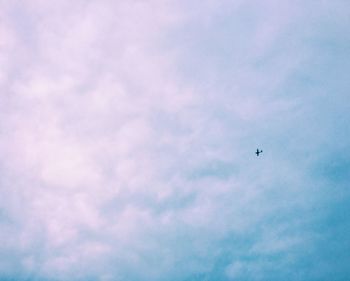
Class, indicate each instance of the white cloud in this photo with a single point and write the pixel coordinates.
(115, 166)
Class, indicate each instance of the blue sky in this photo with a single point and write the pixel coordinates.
(128, 131)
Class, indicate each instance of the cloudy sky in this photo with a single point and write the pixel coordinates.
(128, 131)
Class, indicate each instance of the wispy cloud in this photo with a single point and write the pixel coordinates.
(127, 138)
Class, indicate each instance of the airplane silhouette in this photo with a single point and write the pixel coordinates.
(258, 152)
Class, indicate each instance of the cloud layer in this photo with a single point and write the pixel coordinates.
(127, 138)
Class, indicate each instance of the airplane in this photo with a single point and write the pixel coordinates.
(258, 152)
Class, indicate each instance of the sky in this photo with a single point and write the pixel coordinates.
(128, 131)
